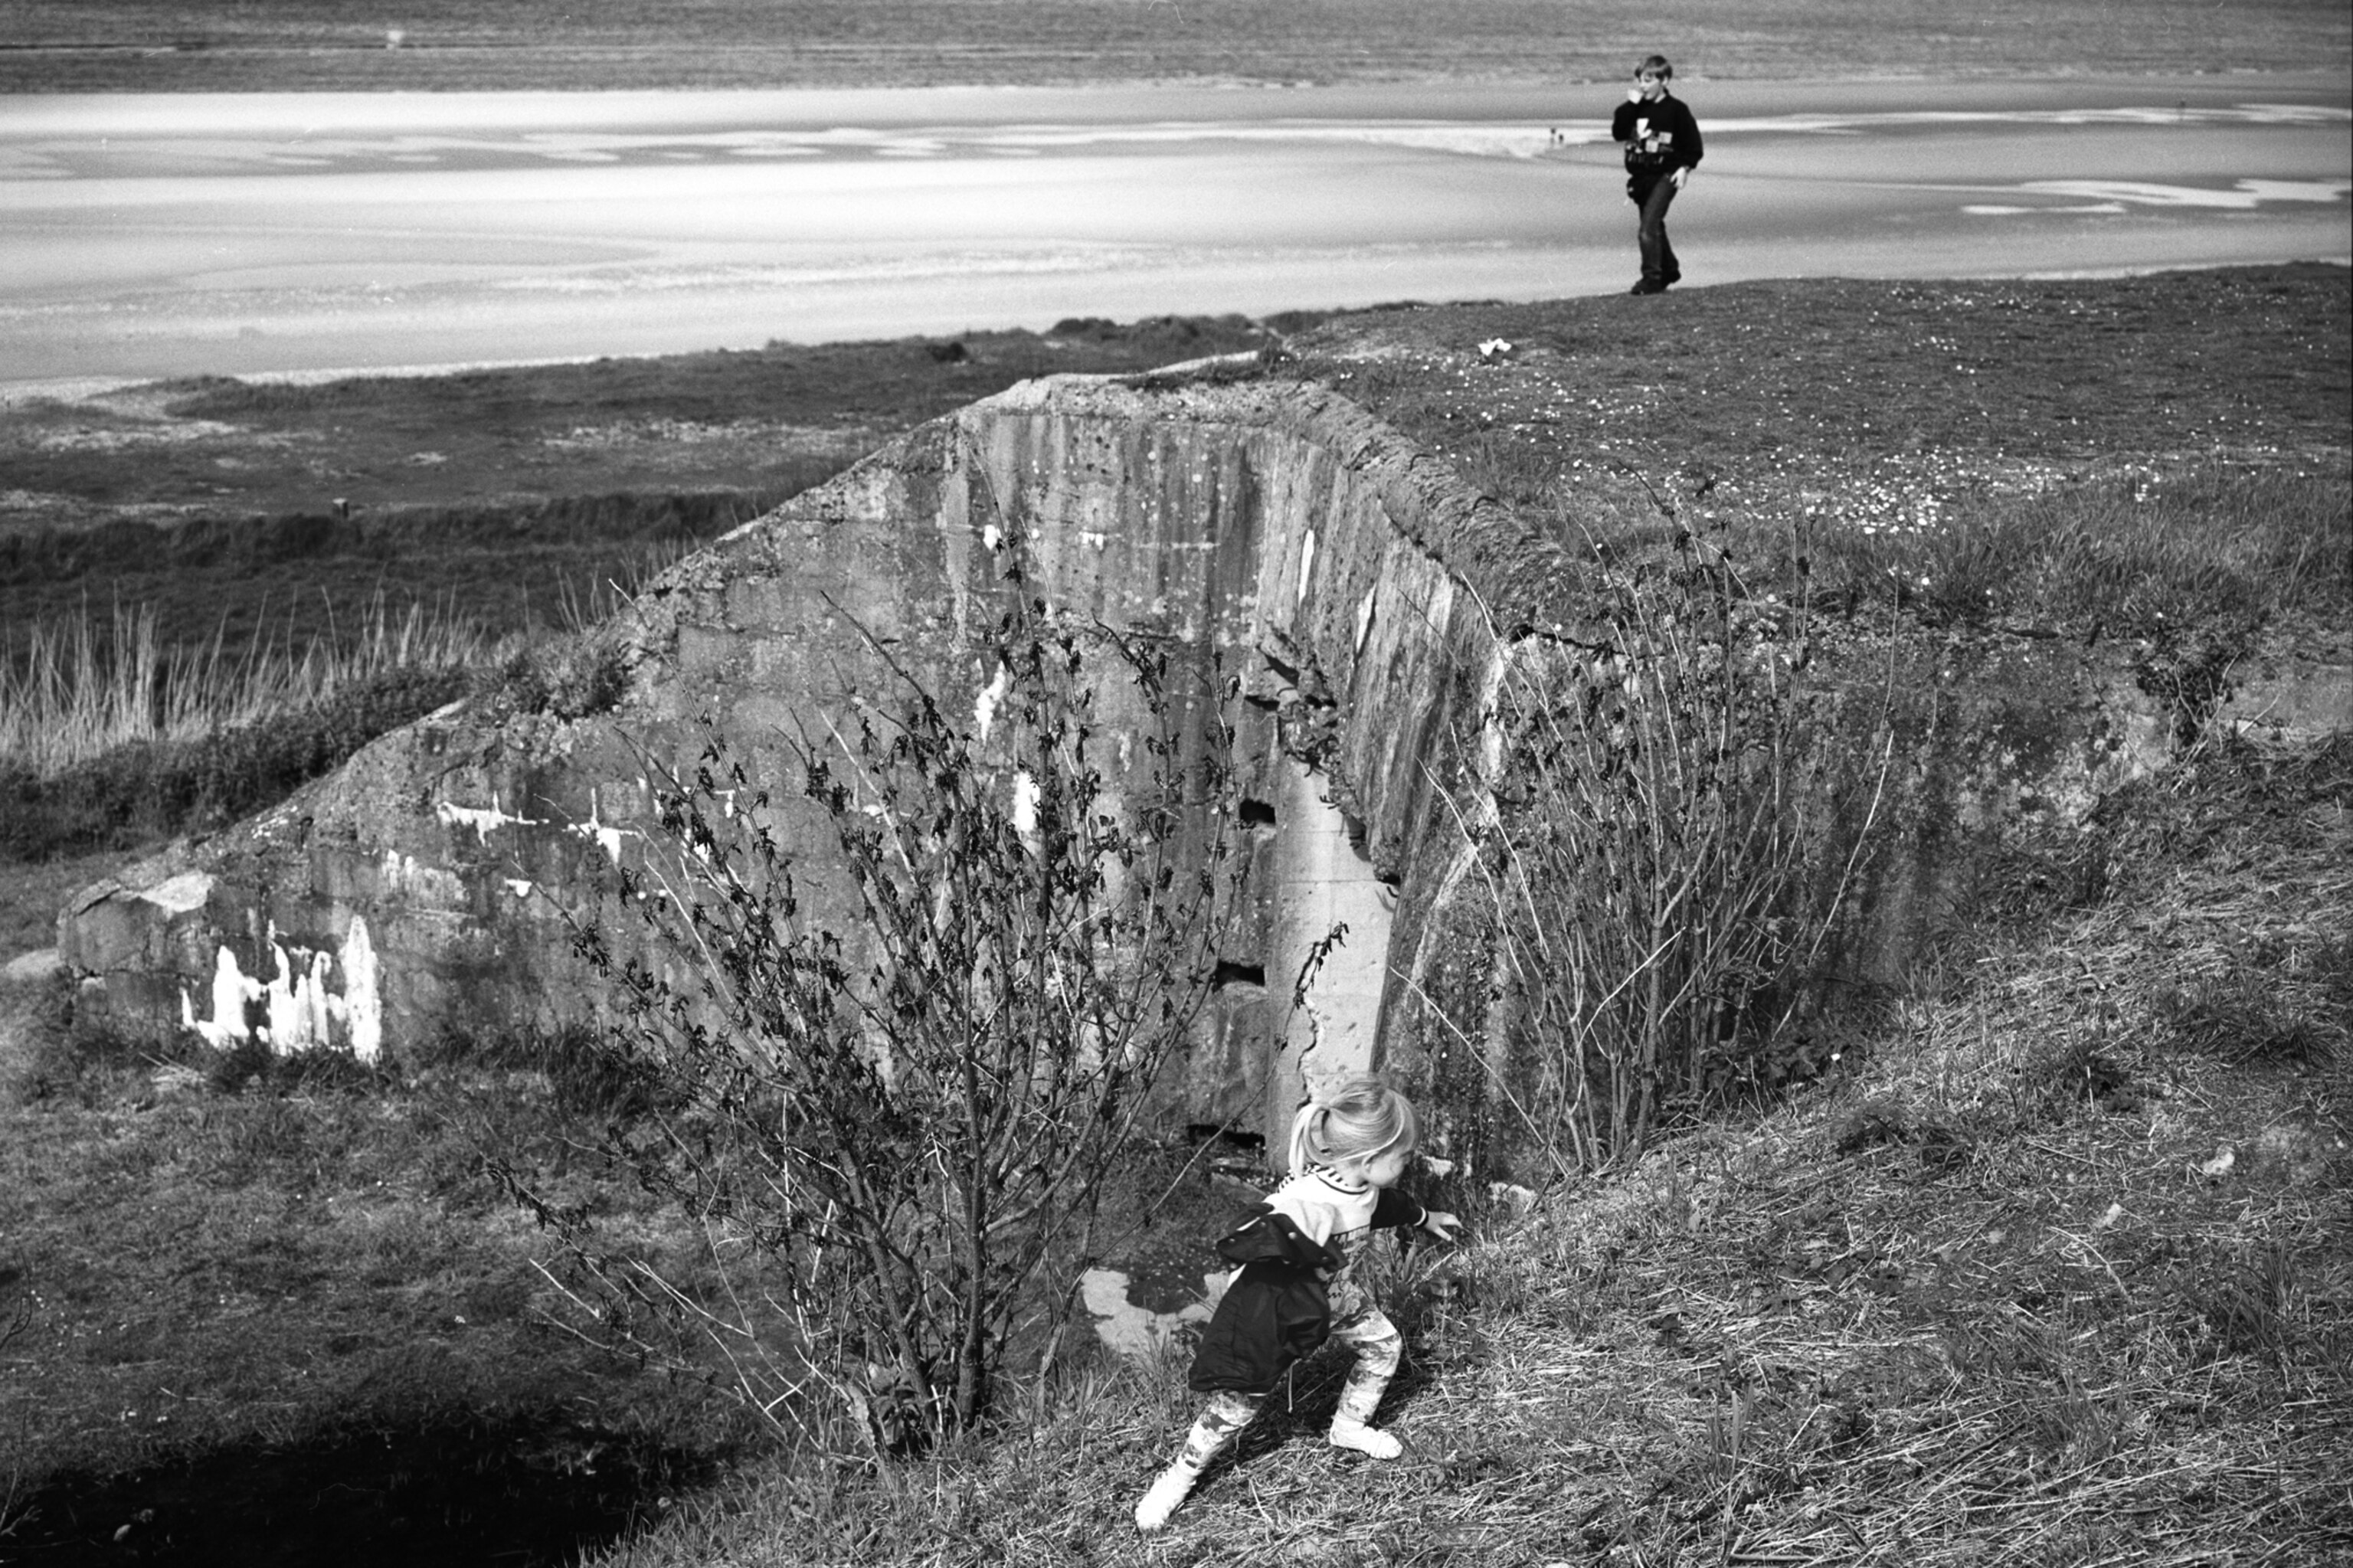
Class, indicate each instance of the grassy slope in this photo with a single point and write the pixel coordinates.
(1766, 407)
(166, 46)
(2161, 459)
(31, 895)
(215, 1279)
(288, 1260)
(2054, 1271)
(1797, 377)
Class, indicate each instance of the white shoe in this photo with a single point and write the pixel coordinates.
(1364, 1439)
(1166, 1495)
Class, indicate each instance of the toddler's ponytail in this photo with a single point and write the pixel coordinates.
(1306, 1145)
(1362, 1119)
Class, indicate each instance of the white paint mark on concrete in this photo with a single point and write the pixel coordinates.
(607, 838)
(299, 1016)
(1306, 562)
(304, 1013)
(993, 536)
(362, 1003)
(422, 884)
(1365, 618)
(984, 706)
(231, 992)
(478, 820)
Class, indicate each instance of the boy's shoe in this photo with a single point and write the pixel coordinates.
(1364, 1439)
(1173, 1487)
(1647, 287)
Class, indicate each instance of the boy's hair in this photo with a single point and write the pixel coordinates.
(1656, 66)
(1361, 1119)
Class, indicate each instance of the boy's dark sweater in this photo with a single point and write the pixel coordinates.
(1669, 114)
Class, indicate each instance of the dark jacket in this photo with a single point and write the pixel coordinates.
(1277, 1309)
(1660, 138)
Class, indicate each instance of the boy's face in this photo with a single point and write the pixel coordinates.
(1651, 85)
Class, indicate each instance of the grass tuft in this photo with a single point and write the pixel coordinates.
(2243, 1016)
(76, 696)
(569, 677)
(144, 791)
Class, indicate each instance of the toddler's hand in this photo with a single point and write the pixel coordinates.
(1446, 1227)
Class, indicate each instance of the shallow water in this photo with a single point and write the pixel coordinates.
(148, 235)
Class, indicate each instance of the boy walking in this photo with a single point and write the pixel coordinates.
(1662, 146)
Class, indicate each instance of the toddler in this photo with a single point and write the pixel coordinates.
(1293, 1287)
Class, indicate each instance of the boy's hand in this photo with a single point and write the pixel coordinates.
(1441, 1224)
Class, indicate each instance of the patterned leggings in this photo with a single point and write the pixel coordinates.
(1357, 1322)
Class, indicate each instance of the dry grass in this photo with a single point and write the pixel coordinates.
(1667, 850)
(1993, 1296)
(80, 692)
(245, 1299)
(2193, 466)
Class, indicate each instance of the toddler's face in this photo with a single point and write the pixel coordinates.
(1384, 1169)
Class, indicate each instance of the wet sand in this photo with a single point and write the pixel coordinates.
(145, 236)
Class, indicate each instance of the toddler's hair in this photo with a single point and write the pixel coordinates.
(1656, 66)
(1362, 1119)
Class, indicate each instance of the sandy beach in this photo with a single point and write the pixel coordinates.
(146, 236)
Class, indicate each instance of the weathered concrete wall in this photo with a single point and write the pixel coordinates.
(1351, 581)
(425, 888)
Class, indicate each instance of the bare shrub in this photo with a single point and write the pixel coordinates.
(888, 1080)
(1670, 828)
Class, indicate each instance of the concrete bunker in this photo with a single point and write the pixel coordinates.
(1352, 581)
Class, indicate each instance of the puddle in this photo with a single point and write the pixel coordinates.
(1169, 1278)
(457, 1494)
(1131, 1327)
(1163, 1289)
